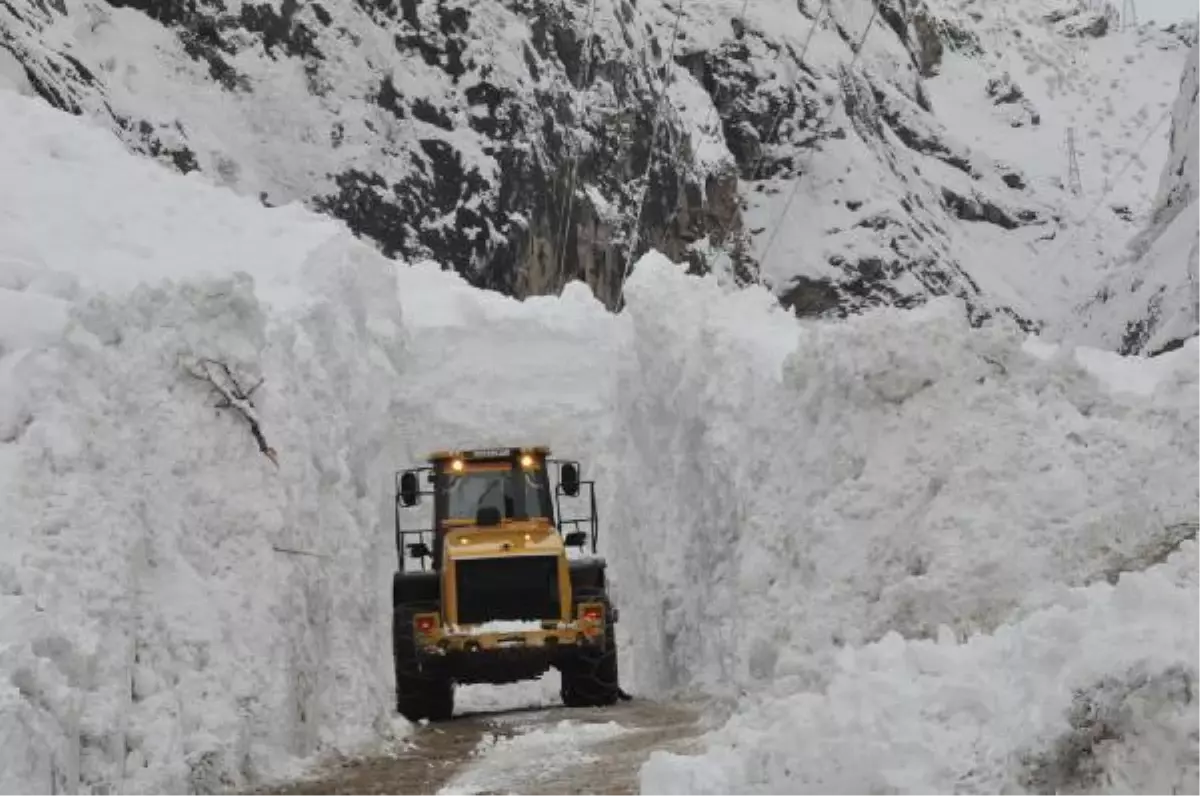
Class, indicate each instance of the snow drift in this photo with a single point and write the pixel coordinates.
(798, 501)
(151, 637)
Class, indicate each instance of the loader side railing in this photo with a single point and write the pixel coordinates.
(423, 538)
(587, 523)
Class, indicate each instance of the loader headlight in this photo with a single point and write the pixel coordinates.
(527, 461)
(456, 465)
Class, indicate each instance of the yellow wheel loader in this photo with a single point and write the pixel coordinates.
(488, 594)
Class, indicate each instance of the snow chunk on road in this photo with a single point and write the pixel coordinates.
(523, 760)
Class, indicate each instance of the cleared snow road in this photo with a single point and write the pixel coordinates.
(532, 750)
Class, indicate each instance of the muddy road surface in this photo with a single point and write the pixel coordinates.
(545, 749)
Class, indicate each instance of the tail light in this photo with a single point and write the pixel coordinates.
(591, 612)
(591, 618)
(425, 624)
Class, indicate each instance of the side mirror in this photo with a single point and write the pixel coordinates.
(410, 489)
(419, 550)
(568, 476)
(488, 515)
(575, 539)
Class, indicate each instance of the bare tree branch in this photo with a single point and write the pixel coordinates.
(293, 551)
(233, 396)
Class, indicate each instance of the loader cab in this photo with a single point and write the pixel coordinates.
(491, 491)
(503, 488)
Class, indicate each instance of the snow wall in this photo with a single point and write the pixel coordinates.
(784, 504)
(178, 614)
(892, 540)
(152, 638)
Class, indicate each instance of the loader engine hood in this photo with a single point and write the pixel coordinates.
(514, 574)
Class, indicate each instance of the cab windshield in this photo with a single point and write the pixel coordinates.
(468, 492)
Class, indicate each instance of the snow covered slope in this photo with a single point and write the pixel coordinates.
(1148, 302)
(847, 157)
(1024, 81)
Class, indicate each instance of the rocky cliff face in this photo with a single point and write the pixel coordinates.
(449, 130)
(818, 147)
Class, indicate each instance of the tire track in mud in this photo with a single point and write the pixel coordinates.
(540, 750)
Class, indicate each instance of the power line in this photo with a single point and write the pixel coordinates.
(717, 93)
(778, 119)
(637, 220)
(820, 124)
(1133, 155)
(569, 199)
(713, 110)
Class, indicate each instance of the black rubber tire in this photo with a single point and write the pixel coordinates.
(419, 693)
(590, 677)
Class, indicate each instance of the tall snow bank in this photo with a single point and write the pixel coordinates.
(792, 492)
(152, 635)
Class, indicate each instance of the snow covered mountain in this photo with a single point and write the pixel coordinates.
(957, 552)
(845, 156)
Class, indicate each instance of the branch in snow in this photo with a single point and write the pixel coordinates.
(293, 551)
(234, 396)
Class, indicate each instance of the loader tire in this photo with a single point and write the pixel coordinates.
(420, 694)
(590, 677)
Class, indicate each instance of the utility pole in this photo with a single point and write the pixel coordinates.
(1129, 14)
(1074, 181)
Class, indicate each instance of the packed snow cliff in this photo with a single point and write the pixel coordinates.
(849, 154)
(178, 611)
(915, 557)
(151, 637)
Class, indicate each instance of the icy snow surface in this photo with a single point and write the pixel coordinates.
(513, 762)
(894, 537)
